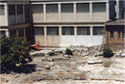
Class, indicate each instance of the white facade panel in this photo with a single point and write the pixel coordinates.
(52, 17)
(67, 17)
(82, 17)
(38, 17)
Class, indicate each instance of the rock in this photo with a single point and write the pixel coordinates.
(75, 53)
(123, 54)
(38, 68)
(16, 75)
(84, 54)
(67, 56)
(47, 67)
(95, 62)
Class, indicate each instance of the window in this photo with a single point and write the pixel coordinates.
(2, 33)
(13, 33)
(39, 31)
(111, 34)
(21, 32)
(67, 8)
(52, 31)
(52, 8)
(83, 30)
(27, 13)
(119, 34)
(11, 9)
(82, 7)
(99, 7)
(2, 12)
(19, 9)
(37, 8)
(67, 30)
(98, 30)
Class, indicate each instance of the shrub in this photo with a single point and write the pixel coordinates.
(68, 52)
(14, 51)
(108, 53)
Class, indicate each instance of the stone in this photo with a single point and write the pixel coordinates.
(84, 54)
(67, 56)
(47, 67)
(95, 62)
(38, 68)
(123, 54)
(16, 75)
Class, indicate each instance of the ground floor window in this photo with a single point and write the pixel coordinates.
(67, 30)
(111, 34)
(21, 32)
(2, 33)
(119, 34)
(83, 30)
(123, 34)
(39, 30)
(98, 30)
(52, 31)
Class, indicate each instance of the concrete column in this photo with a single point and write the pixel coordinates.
(117, 8)
(7, 33)
(59, 11)
(23, 12)
(45, 35)
(16, 13)
(75, 30)
(25, 33)
(91, 34)
(107, 10)
(17, 32)
(6, 13)
(44, 12)
(90, 11)
(60, 31)
(74, 7)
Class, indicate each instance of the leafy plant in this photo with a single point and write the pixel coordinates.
(68, 52)
(108, 53)
(14, 51)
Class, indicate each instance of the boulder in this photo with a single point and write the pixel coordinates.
(95, 62)
(38, 68)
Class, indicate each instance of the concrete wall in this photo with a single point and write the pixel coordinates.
(4, 18)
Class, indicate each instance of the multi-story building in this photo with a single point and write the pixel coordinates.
(69, 22)
(15, 18)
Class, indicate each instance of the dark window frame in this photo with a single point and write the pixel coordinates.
(67, 8)
(2, 9)
(19, 9)
(71, 30)
(82, 5)
(11, 10)
(79, 29)
(97, 7)
(37, 8)
(51, 29)
(51, 6)
(39, 32)
(96, 28)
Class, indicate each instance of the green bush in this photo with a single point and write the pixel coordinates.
(68, 52)
(108, 53)
(14, 51)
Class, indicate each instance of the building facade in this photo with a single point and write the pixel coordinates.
(15, 18)
(69, 22)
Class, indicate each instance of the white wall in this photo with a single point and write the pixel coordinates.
(83, 17)
(4, 18)
(52, 17)
(38, 17)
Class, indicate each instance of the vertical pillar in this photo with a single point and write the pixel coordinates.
(74, 7)
(44, 11)
(16, 13)
(59, 11)
(45, 35)
(117, 8)
(17, 32)
(6, 13)
(107, 10)
(91, 34)
(75, 30)
(23, 12)
(25, 33)
(60, 31)
(7, 33)
(90, 11)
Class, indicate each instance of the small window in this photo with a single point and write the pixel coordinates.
(39, 31)
(2, 12)
(83, 30)
(67, 8)
(82, 7)
(111, 34)
(99, 7)
(67, 30)
(36, 9)
(11, 9)
(52, 8)
(98, 30)
(19, 9)
(52, 31)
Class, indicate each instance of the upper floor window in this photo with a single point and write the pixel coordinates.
(98, 30)
(99, 7)
(67, 8)
(82, 7)
(19, 9)
(52, 31)
(2, 12)
(11, 9)
(37, 8)
(39, 31)
(52, 8)
(83, 30)
(67, 30)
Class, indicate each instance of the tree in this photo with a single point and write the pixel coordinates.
(14, 51)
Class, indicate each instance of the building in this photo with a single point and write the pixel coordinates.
(69, 22)
(15, 18)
